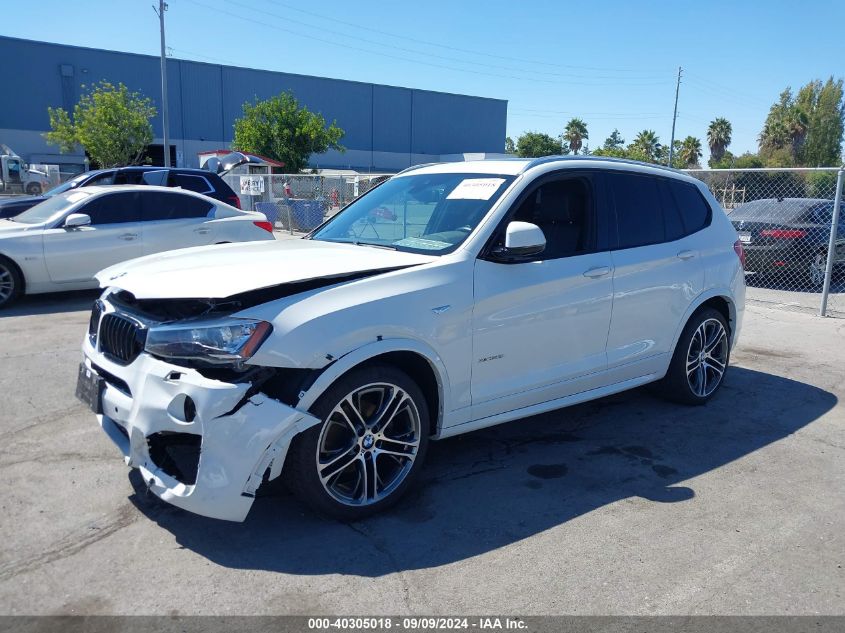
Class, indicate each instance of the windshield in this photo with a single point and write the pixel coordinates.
(426, 213)
(50, 209)
(67, 186)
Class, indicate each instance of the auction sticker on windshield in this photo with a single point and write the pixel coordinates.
(475, 189)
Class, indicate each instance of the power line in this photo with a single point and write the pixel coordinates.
(323, 29)
(615, 81)
(463, 50)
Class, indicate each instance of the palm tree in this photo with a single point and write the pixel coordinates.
(575, 134)
(719, 137)
(646, 146)
(689, 152)
(797, 123)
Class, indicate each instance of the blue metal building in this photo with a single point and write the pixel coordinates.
(387, 128)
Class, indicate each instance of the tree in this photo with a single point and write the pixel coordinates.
(646, 147)
(718, 138)
(689, 153)
(614, 141)
(824, 108)
(281, 129)
(575, 133)
(536, 144)
(110, 123)
(510, 148)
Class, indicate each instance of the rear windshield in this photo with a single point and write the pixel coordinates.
(771, 210)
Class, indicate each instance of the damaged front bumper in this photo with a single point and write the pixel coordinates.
(200, 444)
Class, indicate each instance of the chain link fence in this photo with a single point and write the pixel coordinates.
(785, 221)
(299, 202)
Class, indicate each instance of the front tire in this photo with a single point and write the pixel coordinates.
(369, 447)
(33, 189)
(11, 282)
(700, 361)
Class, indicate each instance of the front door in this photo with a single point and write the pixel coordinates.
(75, 255)
(540, 327)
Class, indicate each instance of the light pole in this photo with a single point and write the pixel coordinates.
(674, 116)
(162, 7)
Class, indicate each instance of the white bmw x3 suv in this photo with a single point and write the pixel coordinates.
(450, 298)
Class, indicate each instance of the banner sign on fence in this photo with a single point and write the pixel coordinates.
(252, 185)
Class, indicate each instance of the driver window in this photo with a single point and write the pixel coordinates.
(563, 210)
(113, 208)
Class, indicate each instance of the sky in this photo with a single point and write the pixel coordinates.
(613, 63)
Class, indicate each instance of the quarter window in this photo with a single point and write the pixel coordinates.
(158, 206)
(113, 208)
(694, 209)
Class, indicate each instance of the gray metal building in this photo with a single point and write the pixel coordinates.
(387, 128)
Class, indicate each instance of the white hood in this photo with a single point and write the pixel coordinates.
(224, 270)
(10, 229)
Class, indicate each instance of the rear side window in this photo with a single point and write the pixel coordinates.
(693, 208)
(128, 177)
(639, 209)
(113, 208)
(158, 206)
(192, 183)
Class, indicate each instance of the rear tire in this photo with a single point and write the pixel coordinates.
(368, 449)
(700, 361)
(11, 282)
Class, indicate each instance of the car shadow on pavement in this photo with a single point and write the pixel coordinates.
(494, 487)
(52, 303)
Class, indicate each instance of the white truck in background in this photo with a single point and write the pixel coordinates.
(16, 177)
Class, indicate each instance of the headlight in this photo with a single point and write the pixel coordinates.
(218, 342)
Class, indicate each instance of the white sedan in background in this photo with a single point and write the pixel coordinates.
(61, 243)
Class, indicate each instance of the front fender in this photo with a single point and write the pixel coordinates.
(371, 350)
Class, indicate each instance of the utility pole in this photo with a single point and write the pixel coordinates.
(674, 116)
(162, 7)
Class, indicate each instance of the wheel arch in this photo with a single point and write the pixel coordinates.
(415, 358)
(16, 266)
(718, 299)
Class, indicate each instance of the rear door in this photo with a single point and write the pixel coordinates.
(657, 273)
(174, 220)
(73, 255)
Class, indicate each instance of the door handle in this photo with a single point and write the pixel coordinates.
(598, 271)
(128, 236)
(201, 231)
(685, 255)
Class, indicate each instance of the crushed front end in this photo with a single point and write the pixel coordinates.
(202, 436)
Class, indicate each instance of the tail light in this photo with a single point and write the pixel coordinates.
(783, 234)
(267, 226)
(740, 252)
(234, 201)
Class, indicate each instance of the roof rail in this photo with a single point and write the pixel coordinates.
(625, 161)
(413, 167)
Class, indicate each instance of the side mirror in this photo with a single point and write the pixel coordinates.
(522, 239)
(75, 220)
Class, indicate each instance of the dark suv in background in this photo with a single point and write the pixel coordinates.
(199, 180)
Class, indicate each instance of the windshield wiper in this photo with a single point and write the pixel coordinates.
(389, 247)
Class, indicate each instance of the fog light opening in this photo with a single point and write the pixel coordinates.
(183, 408)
